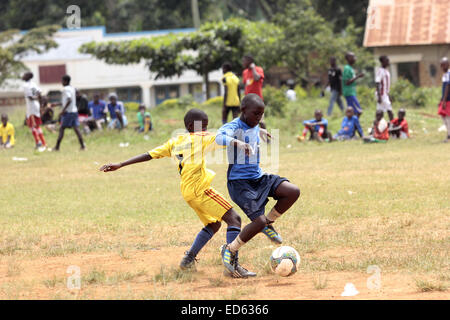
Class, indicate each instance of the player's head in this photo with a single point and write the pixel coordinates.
(444, 64)
(196, 120)
(142, 108)
(401, 114)
(27, 76)
(96, 97)
(384, 60)
(318, 114)
(77, 93)
(349, 112)
(333, 61)
(247, 60)
(226, 67)
(4, 119)
(65, 80)
(379, 115)
(350, 57)
(252, 108)
(113, 98)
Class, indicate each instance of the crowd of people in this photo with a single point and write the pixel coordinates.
(97, 114)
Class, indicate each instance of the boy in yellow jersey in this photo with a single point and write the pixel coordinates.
(6, 133)
(232, 95)
(211, 207)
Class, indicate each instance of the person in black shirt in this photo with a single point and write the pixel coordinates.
(335, 83)
(83, 110)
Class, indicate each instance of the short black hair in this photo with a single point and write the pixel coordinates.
(66, 78)
(249, 57)
(4, 116)
(194, 115)
(29, 73)
(226, 66)
(381, 58)
(252, 98)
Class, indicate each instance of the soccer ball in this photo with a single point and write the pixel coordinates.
(285, 261)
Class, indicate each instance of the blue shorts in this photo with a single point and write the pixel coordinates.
(252, 195)
(353, 102)
(70, 120)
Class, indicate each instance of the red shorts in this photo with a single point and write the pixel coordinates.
(37, 121)
(444, 112)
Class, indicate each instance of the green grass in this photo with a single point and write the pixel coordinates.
(396, 215)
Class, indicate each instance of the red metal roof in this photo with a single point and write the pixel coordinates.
(407, 22)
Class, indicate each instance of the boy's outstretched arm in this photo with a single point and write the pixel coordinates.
(114, 166)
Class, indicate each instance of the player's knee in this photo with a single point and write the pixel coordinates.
(294, 193)
(214, 227)
(232, 218)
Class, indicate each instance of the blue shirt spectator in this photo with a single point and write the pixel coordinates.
(97, 109)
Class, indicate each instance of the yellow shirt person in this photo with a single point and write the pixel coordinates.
(5, 132)
(231, 82)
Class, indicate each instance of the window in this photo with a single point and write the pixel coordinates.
(409, 71)
(196, 91)
(51, 74)
(163, 93)
(130, 94)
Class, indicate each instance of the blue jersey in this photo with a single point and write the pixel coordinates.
(97, 110)
(349, 126)
(241, 166)
(317, 127)
(117, 107)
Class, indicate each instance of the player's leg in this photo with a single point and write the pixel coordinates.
(333, 98)
(235, 111)
(60, 137)
(225, 111)
(80, 137)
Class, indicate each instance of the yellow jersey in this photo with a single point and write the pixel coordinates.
(189, 150)
(231, 81)
(7, 131)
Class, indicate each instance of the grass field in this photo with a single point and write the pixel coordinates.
(384, 205)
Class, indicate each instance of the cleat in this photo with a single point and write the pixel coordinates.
(270, 232)
(244, 273)
(228, 259)
(188, 261)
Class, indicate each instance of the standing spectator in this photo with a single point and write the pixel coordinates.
(33, 97)
(232, 95)
(144, 119)
(69, 113)
(253, 77)
(383, 84)
(399, 126)
(335, 83)
(291, 95)
(83, 110)
(349, 84)
(350, 125)
(116, 112)
(444, 105)
(97, 109)
(6, 133)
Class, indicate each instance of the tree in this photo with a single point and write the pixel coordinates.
(203, 50)
(14, 45)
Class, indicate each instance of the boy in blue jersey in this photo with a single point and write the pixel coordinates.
(350, 125)
(249, 187)
(317, 127)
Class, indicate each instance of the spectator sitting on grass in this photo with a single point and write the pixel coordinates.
(380, 129)
(399, 126)
(116, 112)
(349, 125)
(47, 115)
(83, 110)
(97, 108)
(144, 119)
(317, 128)
(6, 133)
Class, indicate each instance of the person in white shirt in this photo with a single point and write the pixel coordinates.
(290, 93)
(383, 84)
(32, 95)
(69, 113)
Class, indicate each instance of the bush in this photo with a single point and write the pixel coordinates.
(131, 106)
(300, 92)
(214, 102)
(181, 103)
(275, 100)
(405, 93)
(366, 96)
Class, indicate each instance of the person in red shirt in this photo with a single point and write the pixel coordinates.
(399, 126)
(380, 129)
(253, 77)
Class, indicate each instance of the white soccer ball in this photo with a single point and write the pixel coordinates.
(285, 261)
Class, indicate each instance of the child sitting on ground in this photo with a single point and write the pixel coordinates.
(317, 128)
(399, 126)
(144, 119)
(380, 129)
(349, 125)
(6, 133)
